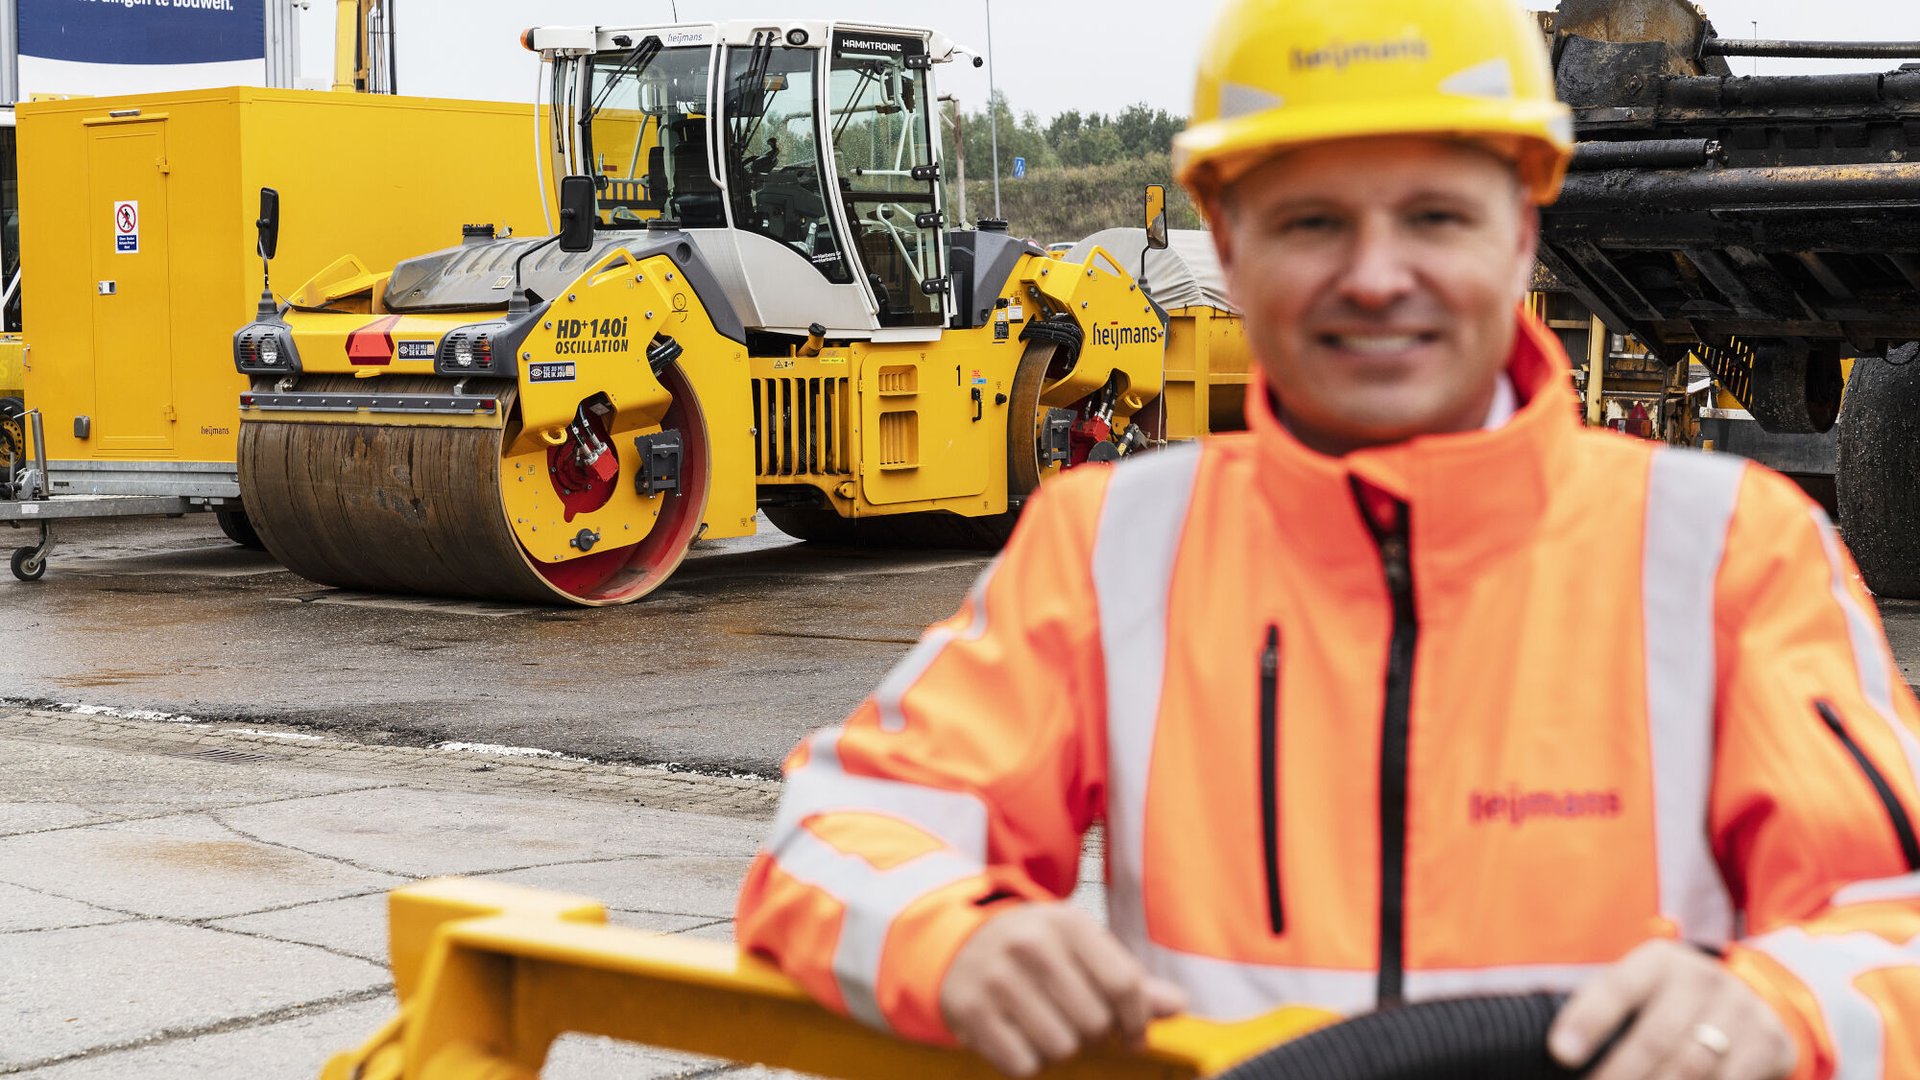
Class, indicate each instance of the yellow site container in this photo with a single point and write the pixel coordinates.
(137, 226)
(1208, 365)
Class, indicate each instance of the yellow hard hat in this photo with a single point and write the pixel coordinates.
(1284, 73)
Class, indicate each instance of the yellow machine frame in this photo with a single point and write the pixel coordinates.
(488, 975)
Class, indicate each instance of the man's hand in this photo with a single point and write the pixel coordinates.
(1692, 1019)
(1035, 984)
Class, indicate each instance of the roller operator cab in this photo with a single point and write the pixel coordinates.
(761, 305)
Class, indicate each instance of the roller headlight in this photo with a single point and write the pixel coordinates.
(471, 350)
(265, 349)
(484, 350)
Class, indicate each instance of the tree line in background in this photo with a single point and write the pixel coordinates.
(1084, 171)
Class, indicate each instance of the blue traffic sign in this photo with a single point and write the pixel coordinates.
(1019, 168)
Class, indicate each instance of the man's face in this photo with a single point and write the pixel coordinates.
(1378, 280)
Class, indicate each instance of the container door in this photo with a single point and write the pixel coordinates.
(132, 327)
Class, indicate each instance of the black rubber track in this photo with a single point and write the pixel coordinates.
(1878, 487)
(1483, 1038)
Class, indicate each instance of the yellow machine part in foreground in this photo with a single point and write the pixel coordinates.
(488, 975)
(132, 329)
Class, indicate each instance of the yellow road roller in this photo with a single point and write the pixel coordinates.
(754, 300)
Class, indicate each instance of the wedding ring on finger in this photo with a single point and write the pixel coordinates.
(1714, 1039)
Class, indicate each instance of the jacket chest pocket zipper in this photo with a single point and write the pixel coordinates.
(1270, 777)
(1897, 813)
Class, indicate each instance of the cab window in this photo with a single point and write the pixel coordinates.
(773, 154)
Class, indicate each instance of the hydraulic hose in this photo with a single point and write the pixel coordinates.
(1061, 329)
(1476, 1038)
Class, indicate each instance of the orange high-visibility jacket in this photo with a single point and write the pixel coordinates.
(1588, 690)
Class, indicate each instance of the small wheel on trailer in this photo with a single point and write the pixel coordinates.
(238, 529)
(29, 564)
(13, 431)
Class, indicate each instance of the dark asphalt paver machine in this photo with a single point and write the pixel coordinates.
(1768, 225)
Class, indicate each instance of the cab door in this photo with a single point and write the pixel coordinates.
(132, 300)
(889, 179)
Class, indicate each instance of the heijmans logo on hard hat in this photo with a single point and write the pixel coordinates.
(1114, 337)
(1340, 55)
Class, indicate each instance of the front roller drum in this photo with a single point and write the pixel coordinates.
(419, 508)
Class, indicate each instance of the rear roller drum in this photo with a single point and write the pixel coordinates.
(420, 509)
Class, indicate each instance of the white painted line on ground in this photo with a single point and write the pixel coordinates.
(276, 734)
(80, 709)
(505, 751)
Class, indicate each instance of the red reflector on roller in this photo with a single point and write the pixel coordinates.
(372, 345)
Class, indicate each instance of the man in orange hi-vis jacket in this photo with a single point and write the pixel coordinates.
(1414, 690)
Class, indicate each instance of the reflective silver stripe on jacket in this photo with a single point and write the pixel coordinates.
(1906, 887)
(1870, 655)
(1830, 965)
(873, 897)
(821, 786)
(1141, 523)
(1230, 990)
(1690, 504)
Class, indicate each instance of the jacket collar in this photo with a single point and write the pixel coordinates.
(1469, 495)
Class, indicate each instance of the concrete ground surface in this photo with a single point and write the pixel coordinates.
(211, 773)
(193, 900)
(749, 646)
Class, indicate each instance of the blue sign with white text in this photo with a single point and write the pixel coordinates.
(154, 32)
(1019, 168)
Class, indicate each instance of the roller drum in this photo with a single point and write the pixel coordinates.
(417, 508)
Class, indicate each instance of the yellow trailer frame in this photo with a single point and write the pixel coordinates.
(488, 975)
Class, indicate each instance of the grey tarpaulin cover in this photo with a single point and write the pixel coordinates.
(1185, 274)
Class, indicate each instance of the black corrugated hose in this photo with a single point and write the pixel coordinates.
(1477, 1038)
(1060, 328)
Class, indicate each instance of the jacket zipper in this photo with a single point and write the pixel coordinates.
(1397, 565)
(1902, 824)
(1270, 776)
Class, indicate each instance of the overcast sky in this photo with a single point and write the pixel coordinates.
(1049, 55)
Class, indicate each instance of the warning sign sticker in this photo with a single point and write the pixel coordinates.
(560, 372)
(126, 227)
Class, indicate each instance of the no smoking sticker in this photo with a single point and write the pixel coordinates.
(126, 227)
